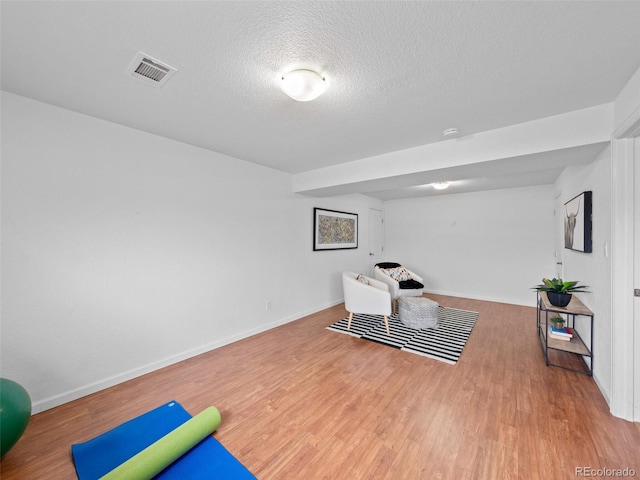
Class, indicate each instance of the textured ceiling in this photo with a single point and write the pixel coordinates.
(398, 73)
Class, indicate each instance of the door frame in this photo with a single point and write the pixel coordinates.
(558, 240)
(636, 280)
(371, 259)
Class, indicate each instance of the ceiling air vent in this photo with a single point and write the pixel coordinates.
(149, 70)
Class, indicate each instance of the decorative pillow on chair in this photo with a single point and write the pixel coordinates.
(399, 274)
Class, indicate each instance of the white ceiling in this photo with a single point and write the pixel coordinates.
(398, 74)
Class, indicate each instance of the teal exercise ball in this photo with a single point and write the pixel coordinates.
(15, 412)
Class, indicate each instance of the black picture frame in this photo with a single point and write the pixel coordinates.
(578, 213)
(334, 230)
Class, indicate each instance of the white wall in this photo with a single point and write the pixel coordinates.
(492, 245)
(123, 251)
(593, 269)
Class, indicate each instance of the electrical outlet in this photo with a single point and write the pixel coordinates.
(267, 305)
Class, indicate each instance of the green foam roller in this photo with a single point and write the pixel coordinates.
(159, 455)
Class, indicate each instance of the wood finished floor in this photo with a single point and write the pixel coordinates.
(302, 402)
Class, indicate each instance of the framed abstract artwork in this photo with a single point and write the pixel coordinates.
(577, 223)
(333, 230)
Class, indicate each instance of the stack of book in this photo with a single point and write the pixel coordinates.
(563, 333)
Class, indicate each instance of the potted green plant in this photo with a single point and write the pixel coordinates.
(559, 292)
(557, 322)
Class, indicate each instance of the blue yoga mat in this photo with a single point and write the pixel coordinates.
(207, 460)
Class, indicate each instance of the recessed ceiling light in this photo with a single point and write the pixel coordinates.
(450, 133)
(303, 85)
(440, 185)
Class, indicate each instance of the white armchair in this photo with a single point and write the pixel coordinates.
(394, 285)
(372, 297)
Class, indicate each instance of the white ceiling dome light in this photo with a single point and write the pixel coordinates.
(303, 85)
(440, 185)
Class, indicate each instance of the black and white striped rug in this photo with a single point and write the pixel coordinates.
(444, 343)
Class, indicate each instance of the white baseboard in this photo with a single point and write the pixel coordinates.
(510, 301)
(70, 395)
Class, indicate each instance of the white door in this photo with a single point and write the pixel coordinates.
(376, 238)
(558, 227)
(625, 337)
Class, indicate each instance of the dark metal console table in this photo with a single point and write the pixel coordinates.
(576, 345)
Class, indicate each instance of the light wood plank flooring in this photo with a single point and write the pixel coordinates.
(302, 402)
